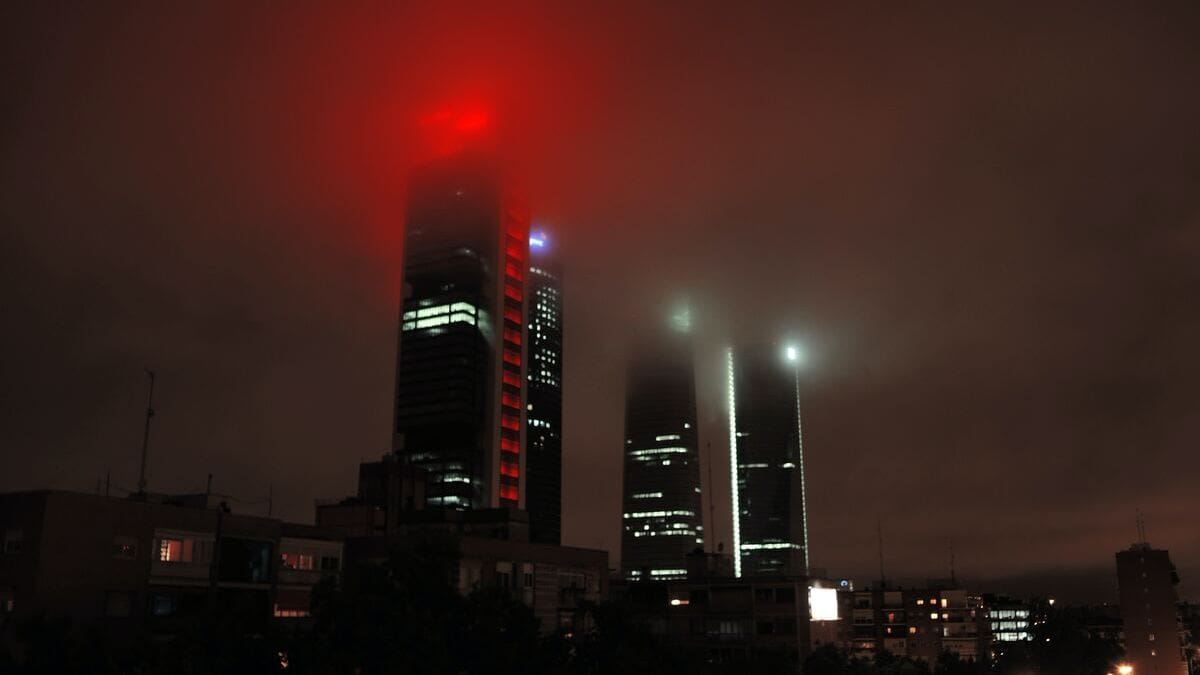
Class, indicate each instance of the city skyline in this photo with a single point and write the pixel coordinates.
(995, 304)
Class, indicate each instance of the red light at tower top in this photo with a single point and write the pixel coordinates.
(450, 130)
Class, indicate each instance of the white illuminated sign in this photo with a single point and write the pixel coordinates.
(822, 604)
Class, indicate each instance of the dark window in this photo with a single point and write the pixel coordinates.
(118, 604)
(245, 560)
(12, 541)
(785, 595)
(698, 597)
(764, 628)
(330, 563)
(162, 605)
(762, 595)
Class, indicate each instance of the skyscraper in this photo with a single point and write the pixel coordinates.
(460, 386)
(662, 519)
(543, 437)
(770, 528)
(1146, 580)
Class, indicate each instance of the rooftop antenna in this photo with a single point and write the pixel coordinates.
(1140, 520)
(141, 486)
(712, 504)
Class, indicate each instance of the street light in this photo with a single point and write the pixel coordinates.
(1124, 669)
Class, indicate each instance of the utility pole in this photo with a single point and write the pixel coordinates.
(141, 485)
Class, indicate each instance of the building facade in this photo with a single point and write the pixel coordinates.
(1146, 579)
(156, 563)
(461, 377)
(767, 461)
(662, 520)
(494, 545)
(920, 623)
(543, 435)
(731, 620)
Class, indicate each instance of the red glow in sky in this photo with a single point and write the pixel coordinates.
(451, 128)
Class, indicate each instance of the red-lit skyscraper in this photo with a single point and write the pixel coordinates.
(460, 385)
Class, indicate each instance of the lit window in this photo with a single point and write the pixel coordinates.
(920, 601)
(933, 616)
(297, 561)
(170, 550)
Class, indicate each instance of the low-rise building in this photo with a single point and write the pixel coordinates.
(920, 623)
(556, 582)
(154, 561)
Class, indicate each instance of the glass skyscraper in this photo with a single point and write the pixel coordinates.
(543, 438)
(662, 519)
(767, 461)
(461, 379)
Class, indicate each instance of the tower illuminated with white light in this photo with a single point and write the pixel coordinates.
(766, 448)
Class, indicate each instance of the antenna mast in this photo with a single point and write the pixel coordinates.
(141, 485)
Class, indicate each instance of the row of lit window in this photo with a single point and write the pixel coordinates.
(436, 310)
(670, 572)
(421, 324)
(646, 495)
(659, 514)
(770, 546)
(653, 453)
(666, 533)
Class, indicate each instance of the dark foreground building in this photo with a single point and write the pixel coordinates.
(1147, 579)
(558, 583)
(460, 387)
(767, 456)
(764, 619)
(661, 520)
(156, 563)
(543, 436)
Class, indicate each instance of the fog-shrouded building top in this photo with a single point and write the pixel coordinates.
(662, 519)
(460, 386)
(543, 436)
(767, 461)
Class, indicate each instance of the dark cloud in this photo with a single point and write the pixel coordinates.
(984, 223)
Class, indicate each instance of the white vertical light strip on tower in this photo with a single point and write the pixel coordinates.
(800, 463)
(733, 470)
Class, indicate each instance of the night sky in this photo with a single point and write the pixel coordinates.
(982, 222)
